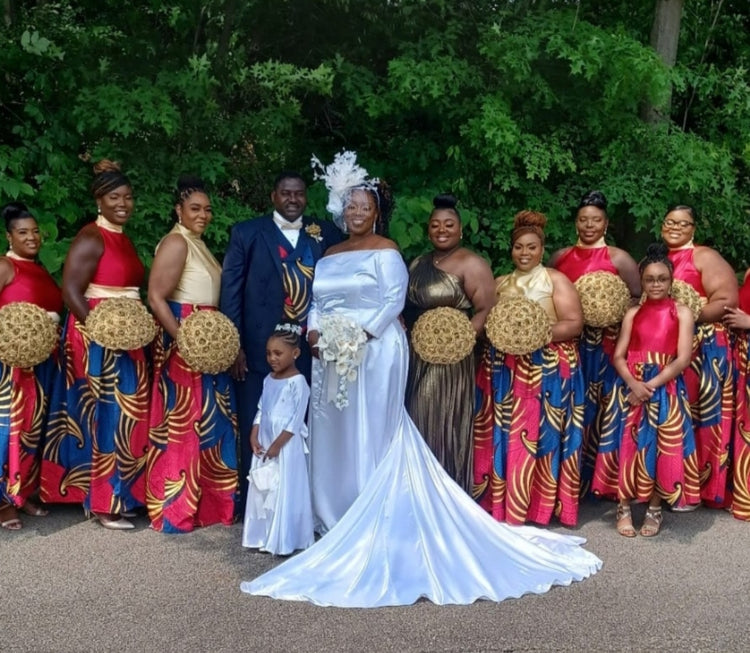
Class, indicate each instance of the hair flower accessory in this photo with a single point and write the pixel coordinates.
(288, 328)
(341, 347)
(314, 231)
(340, 177)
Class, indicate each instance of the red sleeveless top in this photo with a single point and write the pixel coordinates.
(119, 265)
(684, 268)
(578, 261)
(656, 327)
(32, 283)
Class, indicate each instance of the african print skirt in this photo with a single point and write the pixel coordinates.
(596, 347)
(740, 470)
(528, 432)
(97, 437)
(650, 447)
(24, 401)
(192, 462)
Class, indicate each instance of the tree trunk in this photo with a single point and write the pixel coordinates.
(230, 16)
(665, 35)
(8, 11)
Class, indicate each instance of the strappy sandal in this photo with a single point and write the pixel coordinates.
(625, 521)
(652, 522)
(34, 509)
(12, 524)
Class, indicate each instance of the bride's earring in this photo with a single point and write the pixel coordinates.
(98, 209)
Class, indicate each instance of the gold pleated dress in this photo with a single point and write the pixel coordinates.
(440, 398)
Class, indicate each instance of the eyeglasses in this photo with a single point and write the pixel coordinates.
(682, 224)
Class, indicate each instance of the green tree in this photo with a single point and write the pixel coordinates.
(510, 104)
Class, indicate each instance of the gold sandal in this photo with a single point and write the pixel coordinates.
(652, 522)
(625, 521)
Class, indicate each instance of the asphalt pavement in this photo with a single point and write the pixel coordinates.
(69, 585)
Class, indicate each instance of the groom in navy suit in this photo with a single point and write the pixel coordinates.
(267, 276)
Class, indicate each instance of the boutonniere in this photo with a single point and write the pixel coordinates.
(314, 231)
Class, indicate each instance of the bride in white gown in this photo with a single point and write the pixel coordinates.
(410, 531)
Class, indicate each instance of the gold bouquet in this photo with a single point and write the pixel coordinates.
(27, 335)
(208, 342)
(605, 298)
(684, 293)
(120, 323)
(517, 325)
(443, 336)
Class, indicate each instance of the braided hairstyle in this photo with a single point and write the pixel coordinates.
(186, 186)
(107, 177)
(288, 331)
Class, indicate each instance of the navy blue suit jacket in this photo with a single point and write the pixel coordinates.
(252, 292)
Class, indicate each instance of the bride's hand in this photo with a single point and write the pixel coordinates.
(312, 340)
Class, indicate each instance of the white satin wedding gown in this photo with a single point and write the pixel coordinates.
(411, 532)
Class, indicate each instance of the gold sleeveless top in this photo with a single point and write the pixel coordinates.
(535, 285)
(201, 277)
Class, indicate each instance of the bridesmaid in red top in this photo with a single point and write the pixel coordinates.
(592, 254)
(709, 379)
(657, 457)
(739, 320)
(24, 393)
(96, 449)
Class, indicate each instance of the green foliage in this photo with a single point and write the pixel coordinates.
(510, 105)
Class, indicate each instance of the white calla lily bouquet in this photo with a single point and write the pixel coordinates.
(341, 347)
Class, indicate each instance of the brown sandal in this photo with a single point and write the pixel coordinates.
(652, 522)
(625, 521)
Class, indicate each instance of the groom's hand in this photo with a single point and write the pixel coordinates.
(239, 367)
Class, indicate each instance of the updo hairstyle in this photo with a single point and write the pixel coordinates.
(12, 212)
(383, 201)
(656, 253)
(445, 202)
(107, 177)
(526, 222)
(593, 198)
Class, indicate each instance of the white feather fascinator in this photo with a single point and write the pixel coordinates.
(340, 178)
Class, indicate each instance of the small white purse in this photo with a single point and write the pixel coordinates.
(264, 488)
(265, 477)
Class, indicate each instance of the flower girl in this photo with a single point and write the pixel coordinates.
(278, 514)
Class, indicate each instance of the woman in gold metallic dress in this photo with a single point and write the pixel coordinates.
(440, 398)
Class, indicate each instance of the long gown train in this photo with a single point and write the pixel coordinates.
(414, 533)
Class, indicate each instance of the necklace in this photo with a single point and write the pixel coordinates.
(437, 260)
